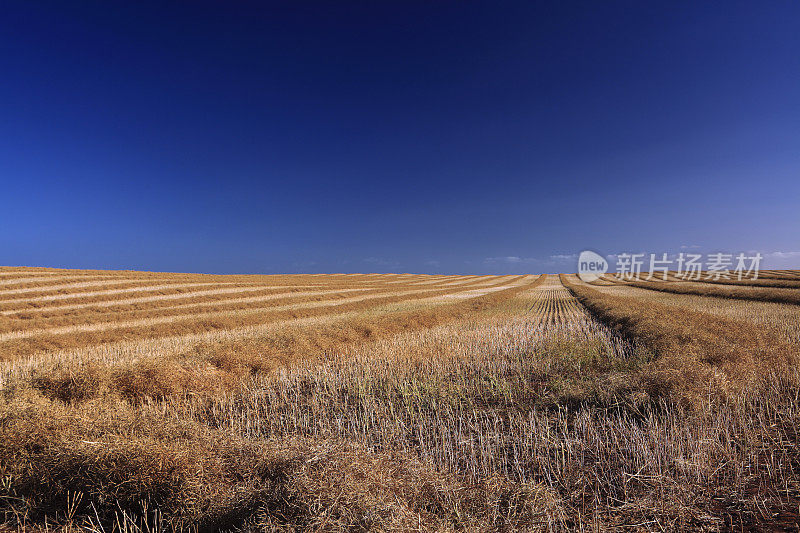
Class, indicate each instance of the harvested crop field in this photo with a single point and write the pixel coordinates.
(140, 401)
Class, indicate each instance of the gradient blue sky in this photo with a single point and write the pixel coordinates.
(413, 136)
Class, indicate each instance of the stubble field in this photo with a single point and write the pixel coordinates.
(136, 401)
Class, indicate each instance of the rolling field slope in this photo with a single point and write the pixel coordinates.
(137, 401)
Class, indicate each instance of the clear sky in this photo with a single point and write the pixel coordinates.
(395, 136)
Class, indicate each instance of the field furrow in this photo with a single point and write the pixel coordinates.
(155, 300)
(781, 318)
(197, 316)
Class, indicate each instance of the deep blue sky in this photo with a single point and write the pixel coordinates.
(441, 137)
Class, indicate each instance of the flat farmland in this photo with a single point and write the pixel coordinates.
(136, 401)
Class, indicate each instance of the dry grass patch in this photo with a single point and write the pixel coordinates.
(213, 367)
(761, 294)
(697, 353)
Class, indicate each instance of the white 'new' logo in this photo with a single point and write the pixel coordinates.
(591, 266)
